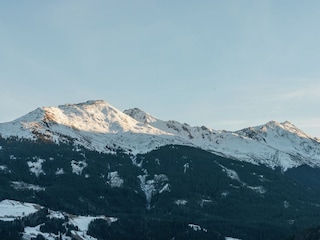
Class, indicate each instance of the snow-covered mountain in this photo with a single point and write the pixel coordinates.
(95, 125)
(99, 126)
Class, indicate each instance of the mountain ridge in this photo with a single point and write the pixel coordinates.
(97, 125)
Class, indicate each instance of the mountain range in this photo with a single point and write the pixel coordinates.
(154, 179)
(99, 126)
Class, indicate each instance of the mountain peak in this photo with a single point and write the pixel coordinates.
(94, 124)
(92, 116)
(282, 128)
(279, 124)
(94, 102)
(140, 115)
(275, 129)
(88, 104)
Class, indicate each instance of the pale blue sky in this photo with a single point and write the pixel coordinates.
(223, 64)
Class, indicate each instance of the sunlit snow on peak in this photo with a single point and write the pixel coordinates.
(140, 115)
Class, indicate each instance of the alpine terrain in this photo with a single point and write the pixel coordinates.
(91, 171)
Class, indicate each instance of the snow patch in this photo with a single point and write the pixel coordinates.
(258, 189)
(158, 184)
(157, 161)
(165, 188)
(36, 167)
(286, 204)
(59, 171)
(196, 227)
(114, 179)
(27, 186)
(31, 233)
(291, 221)
(185, 167)
(55, 214)
(230, 173)
(78, 166)
(82, 222)
(234, 175)
(134, 161)
(225, 194)
(10, 209)
(205, 201)
(181, 202)
(3, 167)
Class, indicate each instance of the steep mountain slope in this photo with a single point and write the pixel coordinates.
(99, 126)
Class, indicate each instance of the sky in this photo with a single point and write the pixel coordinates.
(224, 64)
